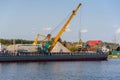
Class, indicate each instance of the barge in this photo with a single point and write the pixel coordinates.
(44, 52)
(38, 57)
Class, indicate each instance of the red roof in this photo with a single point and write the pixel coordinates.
(94, 42)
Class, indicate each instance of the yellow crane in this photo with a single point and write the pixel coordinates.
(36, 39)
(64, 27)
(46, 37)
(80, 43)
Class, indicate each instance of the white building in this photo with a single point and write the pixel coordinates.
(2, 47)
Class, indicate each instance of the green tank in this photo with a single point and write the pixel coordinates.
(114, 52)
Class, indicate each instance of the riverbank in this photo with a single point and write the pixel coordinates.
(113, 56)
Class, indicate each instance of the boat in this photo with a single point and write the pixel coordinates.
(45, 53)
(38, 57)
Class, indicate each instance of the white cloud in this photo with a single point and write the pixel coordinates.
(33, 28)
(84, 31)
(115, 26)
(47, 28)
(118, 30)
(68, 30)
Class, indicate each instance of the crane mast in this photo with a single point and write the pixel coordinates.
(64, 27)
(36, 40)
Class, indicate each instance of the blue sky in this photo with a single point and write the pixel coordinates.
(96, 19)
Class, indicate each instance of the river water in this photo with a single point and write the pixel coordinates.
(78, 70)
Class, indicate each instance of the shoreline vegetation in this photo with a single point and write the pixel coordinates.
(17, 41)
(70, 45)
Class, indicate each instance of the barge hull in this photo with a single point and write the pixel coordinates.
(83, 57)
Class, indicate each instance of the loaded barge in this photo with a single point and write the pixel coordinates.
(44, 52)
(34, 57)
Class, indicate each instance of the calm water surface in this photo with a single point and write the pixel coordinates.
(80, 70)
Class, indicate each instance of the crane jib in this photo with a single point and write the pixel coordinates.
(64, 27)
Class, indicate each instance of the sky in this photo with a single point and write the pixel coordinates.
(95, 20)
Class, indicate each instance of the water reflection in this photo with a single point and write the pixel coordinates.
(86, 70)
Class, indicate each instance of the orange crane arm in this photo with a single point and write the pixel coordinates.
(64, 27)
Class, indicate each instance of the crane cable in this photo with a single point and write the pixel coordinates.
(60, 24)
(80, 35)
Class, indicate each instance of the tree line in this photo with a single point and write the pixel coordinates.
(15, 41)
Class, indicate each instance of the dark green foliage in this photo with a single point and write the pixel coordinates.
(16, 41)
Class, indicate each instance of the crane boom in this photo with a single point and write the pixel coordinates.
(36, 39)
(64, 27)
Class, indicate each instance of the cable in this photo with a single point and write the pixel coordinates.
(59, 24)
